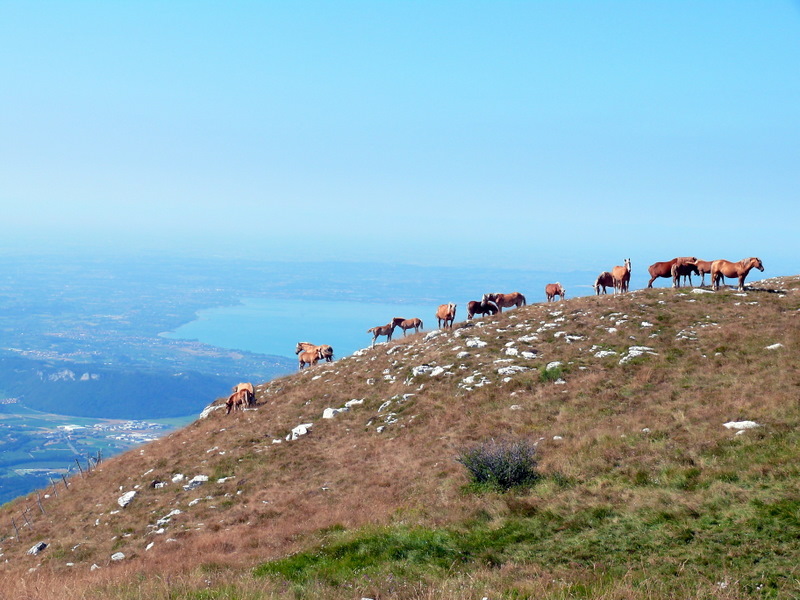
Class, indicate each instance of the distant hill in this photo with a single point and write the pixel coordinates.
(666, 428)
(95, 391)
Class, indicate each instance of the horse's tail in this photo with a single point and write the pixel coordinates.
(420, 324)
(521, 297)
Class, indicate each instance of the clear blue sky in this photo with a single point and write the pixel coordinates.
(557, 133)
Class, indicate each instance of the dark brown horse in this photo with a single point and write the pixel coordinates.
(405, 324)
(505, 300)
(683, 270)
(476, 307)
(622, 277)
(664, 269)
(604, 280)
(386, 330)
(552, 290)
(703, 268)
(726, 268)
(446, 313)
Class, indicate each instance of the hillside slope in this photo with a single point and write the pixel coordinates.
(642, 486)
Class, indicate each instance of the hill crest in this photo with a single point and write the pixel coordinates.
(609, 388)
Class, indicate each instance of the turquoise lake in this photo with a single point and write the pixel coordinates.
(274, 327)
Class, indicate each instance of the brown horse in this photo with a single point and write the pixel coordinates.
(308, 357)
(683, 270)
(237, 400)
(726, 268)
(406, 324)
(249, 391)
(476, 307)
(446, 313)
(664, 269)
(703, 268)
(505, 300)
(604, 280)
(552, 290)
(386, 330)
(622, 277)
(325, 351)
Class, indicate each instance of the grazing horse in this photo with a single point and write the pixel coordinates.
(325, 351)
(446, 313)
(405, 324)
(552, 290)
(249, 391)
(703, 267)
(505, 300)
(386, 330)
(664, 269)
(684, 270)
(476, 307)
(622, 277)
(237, 400)
(604, 280)
(726, 268)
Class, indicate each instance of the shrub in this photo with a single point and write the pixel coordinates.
(503, 464)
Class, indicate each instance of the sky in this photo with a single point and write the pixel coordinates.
(520, 134)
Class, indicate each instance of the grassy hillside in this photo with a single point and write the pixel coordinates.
(641, 489)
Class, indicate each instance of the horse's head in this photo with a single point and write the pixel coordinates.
(757, 264)
(299, 348)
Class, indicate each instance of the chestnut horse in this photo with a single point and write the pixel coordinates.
(622, 277)
(237, 400)
(505, 300)
(308, 357)
(476, 307)
(405, 324)
(552, 290)
(446, 313)
(386, 330)
(325, 351)
(604, 280)
(664, 269)
(726, 268)
(250, 392)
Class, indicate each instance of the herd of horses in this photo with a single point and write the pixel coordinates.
(679, 269)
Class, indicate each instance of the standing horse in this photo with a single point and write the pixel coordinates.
(664, 269)
(720, 268)
(622, 277)
(325, 351)
(604, 280)
(386, 330)
(476, 307)
(505, 300)
(703, 267)
(685, 271)
(405, 324)
(308, 357)
(446, 313)
(552, 290)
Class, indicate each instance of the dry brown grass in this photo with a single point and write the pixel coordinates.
(709, 368)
